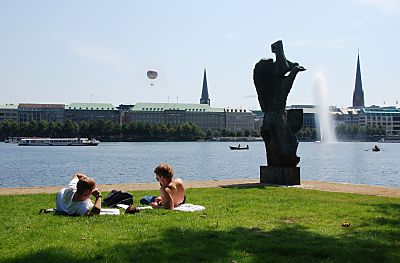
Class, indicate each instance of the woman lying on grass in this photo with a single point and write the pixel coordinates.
(172, 191)
(75, 199)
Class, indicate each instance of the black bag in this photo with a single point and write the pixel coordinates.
(117, 197)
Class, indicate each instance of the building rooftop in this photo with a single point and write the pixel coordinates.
(306, 108)
(90, 106)
(40, 106)
(146, 106)
(8, 106)
(376, 110)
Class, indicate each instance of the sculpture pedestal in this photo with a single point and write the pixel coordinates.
(280, 175)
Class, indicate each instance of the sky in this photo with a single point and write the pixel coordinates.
(99, 51)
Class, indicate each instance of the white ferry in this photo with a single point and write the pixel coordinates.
(13, 139)
(58, 142)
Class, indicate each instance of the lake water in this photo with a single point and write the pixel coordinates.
(134, 162)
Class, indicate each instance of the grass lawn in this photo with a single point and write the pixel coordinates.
(265, 224)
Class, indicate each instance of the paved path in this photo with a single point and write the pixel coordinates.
(311, 185)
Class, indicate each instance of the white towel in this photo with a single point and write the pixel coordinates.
(110, 211)
(182, 207)
(189, 208)
(138, 207)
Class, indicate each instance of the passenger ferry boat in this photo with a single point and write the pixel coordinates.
(58, 142)
(13, 139)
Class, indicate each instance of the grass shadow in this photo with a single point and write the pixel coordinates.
(389, 215)
(289, 243)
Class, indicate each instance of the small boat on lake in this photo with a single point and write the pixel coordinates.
(58, 142)
(376, 148)
(239, 147)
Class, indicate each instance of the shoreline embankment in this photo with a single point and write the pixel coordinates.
(307, 184)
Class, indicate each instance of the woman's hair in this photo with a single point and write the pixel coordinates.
(164, 170)
(85, 184)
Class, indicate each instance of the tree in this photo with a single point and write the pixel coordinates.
(9, 128)
(70, 129)
(42, 128)
(84, 129)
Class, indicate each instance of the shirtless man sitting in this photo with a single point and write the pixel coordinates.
(172, 191)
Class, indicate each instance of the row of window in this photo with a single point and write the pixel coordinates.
(91, 114)
(8, 114)
(203, 121)
(80, 108)
(235, 110)
(39, 109)
(161, 109)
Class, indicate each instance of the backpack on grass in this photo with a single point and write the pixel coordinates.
(116, 197)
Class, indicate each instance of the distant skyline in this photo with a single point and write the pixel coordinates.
(99, 51)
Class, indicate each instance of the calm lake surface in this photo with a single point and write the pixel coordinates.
(134, 162)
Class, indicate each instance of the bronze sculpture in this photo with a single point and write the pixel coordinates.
(273, 82)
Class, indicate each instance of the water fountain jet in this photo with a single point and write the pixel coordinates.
(324, 122)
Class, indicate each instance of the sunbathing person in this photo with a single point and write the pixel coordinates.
(75, 199)
(172, 191)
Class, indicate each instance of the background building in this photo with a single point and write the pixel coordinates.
(37, 112)
(79, 112)
(239, 120)
(386, 117)
(8, 112)
(309, 114)
(203, 115)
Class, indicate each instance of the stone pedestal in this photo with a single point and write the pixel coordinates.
(280, 175)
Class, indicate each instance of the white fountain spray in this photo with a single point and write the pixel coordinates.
(325, 126)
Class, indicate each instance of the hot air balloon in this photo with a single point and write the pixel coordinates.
(152, 74)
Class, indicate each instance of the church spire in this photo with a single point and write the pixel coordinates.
(204, 93)
(358, 95)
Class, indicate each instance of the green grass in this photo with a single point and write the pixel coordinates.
(260, 224)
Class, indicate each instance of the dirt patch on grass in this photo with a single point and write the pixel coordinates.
(351, 188)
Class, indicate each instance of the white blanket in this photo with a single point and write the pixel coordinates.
(110, 211)
(182, 207)
(189, 208)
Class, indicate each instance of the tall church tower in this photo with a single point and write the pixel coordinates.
(204, 93)
(358, 94)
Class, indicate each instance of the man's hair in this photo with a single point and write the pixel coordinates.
(164, 170)
(85, 184)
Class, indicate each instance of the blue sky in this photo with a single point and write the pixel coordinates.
(99, 51)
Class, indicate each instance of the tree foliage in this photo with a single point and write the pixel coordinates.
(109, 131)
(137, 131)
